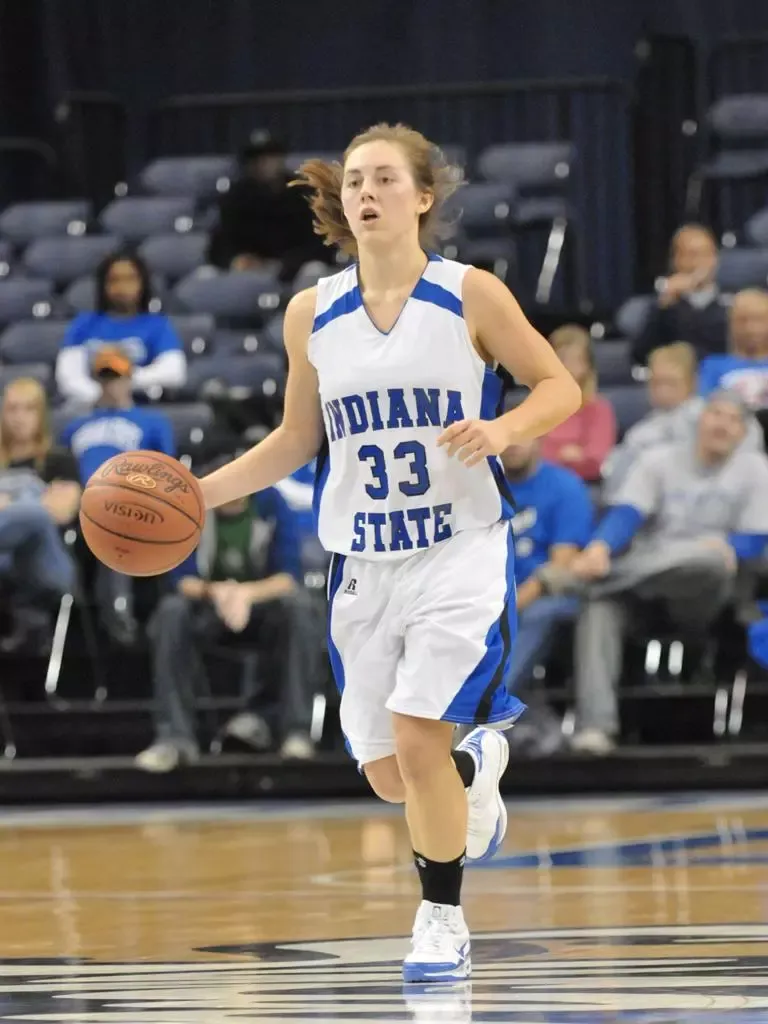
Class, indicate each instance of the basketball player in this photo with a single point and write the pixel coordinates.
(392, 385)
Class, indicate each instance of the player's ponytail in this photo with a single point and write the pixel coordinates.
(431, 173)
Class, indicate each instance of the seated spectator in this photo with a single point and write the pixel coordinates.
(553, 521)
(689, 306)
(745, 368)
(675, 411)
(39, 493)
(243, 579)
(676, 530)
(583, 442)
(122, 317)
(264, 224)
(115, 425)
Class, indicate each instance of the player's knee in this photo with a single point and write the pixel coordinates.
(421, 747)
(385, 780)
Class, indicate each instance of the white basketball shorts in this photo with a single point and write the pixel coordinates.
(429, 636)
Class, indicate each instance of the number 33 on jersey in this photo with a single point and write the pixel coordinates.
(384, 489)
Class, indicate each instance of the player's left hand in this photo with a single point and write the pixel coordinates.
(474, 440)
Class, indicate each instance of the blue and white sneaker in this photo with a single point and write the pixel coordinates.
(487, 815)
(441, 951)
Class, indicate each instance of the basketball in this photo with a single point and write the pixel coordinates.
(142, 513)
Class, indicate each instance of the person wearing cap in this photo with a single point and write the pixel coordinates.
(243, 581)
(263, 224)
(677, 528)
(115, 425)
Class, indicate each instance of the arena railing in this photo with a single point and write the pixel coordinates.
(738, 64)
(93, 141)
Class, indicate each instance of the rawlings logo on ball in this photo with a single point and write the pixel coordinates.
(141, 480)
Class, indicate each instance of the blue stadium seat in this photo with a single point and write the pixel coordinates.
(174, 255)
(38, 371)
(65, 259)
(196, 331)
(246, 295)
(613, 362)
(482, 213)
(756, 228)
(135, 218)
(632, 316)
(310, 274)
(188, 417)
(32, 341)
(529, 166)
(22, 223)
(260, 373)
(272, 333)
(630, 403)
(23, 297)
(198, 176)
(6, 257)
(237, 343)
(742, 268)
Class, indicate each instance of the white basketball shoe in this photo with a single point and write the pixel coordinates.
(487, 818)
(440, 945)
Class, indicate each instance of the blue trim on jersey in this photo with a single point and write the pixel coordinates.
(491, 396)
(335, 576)
(322, 469)
(483, 698)
(436, 295)
(434, 257)
(346, 303)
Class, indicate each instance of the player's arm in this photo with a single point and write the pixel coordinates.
(505, 335)
(298, 438)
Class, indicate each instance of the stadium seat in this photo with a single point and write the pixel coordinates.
(38, 371)
(738, 127)
(632, 315)
(65, 259)
(310, 274)
(196, 331)
(272, 334)
(630, 403)
(742, 268)
(756, 228)
(514, 397)
(23, 223)
(613, 362)
(23, 297)
(482, 217)
(32, 341)
(246, 295)
(6, 257)
(135, 218)
(197, 176)
(260, 373)
(528, 166)
(237, 343)
(186, 418)
(174, 255)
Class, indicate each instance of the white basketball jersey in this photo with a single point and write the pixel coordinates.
(383, 489)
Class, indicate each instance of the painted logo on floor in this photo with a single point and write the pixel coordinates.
(573, 976)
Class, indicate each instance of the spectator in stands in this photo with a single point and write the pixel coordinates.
(115, 425)
(675, 532)
(122, 317)
(263, 224)
(675, 411)
(745, 368)
(689, 305)
(553, 521)
(244, 579)
(39, 493)
(583, 442)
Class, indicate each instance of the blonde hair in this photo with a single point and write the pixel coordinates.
(575, 336)
(26, 387)
(679, 354)
(431, 173)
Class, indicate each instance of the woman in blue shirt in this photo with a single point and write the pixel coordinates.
(121, 317)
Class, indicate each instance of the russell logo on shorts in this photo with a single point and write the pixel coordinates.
(351, 587)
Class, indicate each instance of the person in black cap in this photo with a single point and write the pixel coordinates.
(262, 223)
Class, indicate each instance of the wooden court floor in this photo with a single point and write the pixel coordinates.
(647, 910)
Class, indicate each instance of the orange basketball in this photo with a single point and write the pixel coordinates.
(142, 513)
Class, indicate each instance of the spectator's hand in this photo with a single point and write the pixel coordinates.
(571, 453)
(62, 500)
(475, 440)
(594, 562)
(192, 587)
(235, 607)
(678, 285)
(721, 545)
